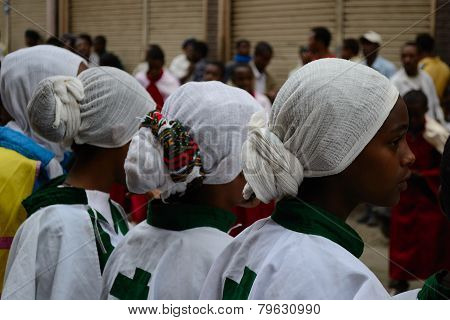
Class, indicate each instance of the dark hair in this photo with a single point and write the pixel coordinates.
(322, 34)
(201, 48)
(425, 43)
(68, 37)
(263, 48)
(33, 35)
(444, 195)
(410, 44)
(242, 41)
(219, 65)
(101, 39)
(188, 42)
(352, 45)
(54, 41)
(239, 65)
(109, 59)
(415, 96)
(155, 52)
(86, 38)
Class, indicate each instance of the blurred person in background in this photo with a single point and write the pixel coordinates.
(200, 52)
(264, 82)
(84, 48)
(432, 64)
(214, 71)
(32, 38)
(319, 43)
(370, 43)
(107, 59)
(158, 81)
(350, 50)
(410, 77)
(180, 64)
(242, 56)
(242, 77)
(420, 234)
(68, 41)
(304, 57)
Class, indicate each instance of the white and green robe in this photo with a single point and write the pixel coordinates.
(169, 255)
(300, 252)
(60, 251)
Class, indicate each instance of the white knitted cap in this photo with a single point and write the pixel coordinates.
(323, 117)
(101, 107)
(216, 116)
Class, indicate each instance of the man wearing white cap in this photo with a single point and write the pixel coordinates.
(371, 42)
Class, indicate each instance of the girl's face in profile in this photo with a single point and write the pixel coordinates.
(379, 173)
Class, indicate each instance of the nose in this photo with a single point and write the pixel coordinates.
(408, 157)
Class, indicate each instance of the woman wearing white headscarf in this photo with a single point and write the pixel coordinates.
(335, 138)
(192, 153)
(26, 160)
(21, 72)
(60, 251)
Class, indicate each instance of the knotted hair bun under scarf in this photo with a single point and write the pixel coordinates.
(322, 119)
(54, 108)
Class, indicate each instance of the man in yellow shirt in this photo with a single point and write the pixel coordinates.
(432, 64)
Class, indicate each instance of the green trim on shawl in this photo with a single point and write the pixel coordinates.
(178, 217)
(102, 238)
(433, 289)
(118, 220)
(234, 291)
(137, 288)
(49, 194)
(304, 218)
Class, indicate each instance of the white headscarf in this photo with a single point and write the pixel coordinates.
(323, 117)
(21, 72)
(101, 107)
(216, 116)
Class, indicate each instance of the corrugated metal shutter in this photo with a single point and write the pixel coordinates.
(36, 13)
(397, 21)
(120, 21)
(2, 26)
(443, 30)
(171, 22)
(285, 24)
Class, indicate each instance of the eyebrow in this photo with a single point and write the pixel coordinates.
(400, 128)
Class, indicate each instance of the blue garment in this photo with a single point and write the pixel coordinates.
(242, 59)
(383, 66)
(27, 147)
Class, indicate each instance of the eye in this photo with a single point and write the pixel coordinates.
(395, 143)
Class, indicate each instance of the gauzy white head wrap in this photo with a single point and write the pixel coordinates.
(101, 107)
(21, 72)
(216, 117)
(323, 117)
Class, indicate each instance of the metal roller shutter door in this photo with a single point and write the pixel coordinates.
(171, 22)
(397, 21)
(285, 24)
(36, 11)
(119, 21)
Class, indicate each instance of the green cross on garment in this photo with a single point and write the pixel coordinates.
(137, 288)
(234, 291)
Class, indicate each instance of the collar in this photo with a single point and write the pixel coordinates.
(305, 218)
(50, 194)
(180, 216)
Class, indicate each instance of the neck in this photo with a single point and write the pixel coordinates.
(323, 52)
(412, 73)
(96, 172)
(210, 195)
(328, 194)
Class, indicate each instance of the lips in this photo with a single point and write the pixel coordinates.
(403, 184)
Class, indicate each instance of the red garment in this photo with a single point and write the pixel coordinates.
(420, 233)
(135, 204)
(246, 217)
(154, 91)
